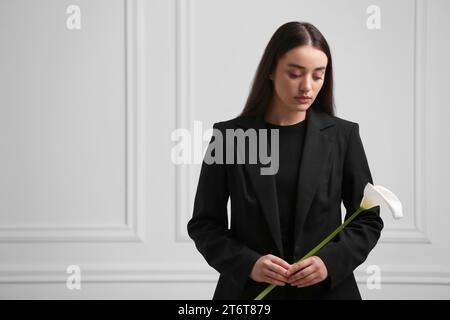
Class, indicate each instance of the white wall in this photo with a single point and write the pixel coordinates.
(86, 118)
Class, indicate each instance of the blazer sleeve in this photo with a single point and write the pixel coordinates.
(352, 245)
(208, 226)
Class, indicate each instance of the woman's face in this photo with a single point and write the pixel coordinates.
(300, 72)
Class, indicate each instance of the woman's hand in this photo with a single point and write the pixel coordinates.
(308, 272)
(270, 269)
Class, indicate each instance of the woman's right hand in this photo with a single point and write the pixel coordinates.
(270, 269)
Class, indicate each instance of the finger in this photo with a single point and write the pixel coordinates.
(279, 262)
(298, 266)
(306, 280)
(274, 281)
(278, 269)
(275, 275)
(302, 273)
(310, 283)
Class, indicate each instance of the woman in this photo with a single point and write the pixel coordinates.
(277, 218)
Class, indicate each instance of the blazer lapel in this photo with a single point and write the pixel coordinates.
(316, 154)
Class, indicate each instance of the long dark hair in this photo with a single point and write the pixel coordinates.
(290, 35)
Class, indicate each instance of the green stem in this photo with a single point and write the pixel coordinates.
(317, 248)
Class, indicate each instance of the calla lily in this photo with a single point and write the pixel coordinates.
(373, 196)
(376, 195)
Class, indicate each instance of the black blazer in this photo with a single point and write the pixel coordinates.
(334, 168)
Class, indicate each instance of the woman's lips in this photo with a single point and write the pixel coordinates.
(302, 99)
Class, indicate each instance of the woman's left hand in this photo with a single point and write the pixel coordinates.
(307, 272)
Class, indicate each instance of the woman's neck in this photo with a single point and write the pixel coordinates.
(284, 118)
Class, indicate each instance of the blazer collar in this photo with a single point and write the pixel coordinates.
(319, 119)
(315, 155)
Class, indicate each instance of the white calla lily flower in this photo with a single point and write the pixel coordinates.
(377, 195)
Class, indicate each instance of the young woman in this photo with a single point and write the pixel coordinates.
(277, 218)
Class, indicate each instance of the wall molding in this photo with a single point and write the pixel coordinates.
(183, 113)
(407, 274)
(108, 273)
(418, 233)
(132, 230)
(170, 273)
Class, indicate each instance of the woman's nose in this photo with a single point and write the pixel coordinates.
(305, 85)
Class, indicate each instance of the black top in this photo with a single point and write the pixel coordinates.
(291, 138)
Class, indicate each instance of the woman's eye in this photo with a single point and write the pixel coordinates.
(320, 77)
(293, 76)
